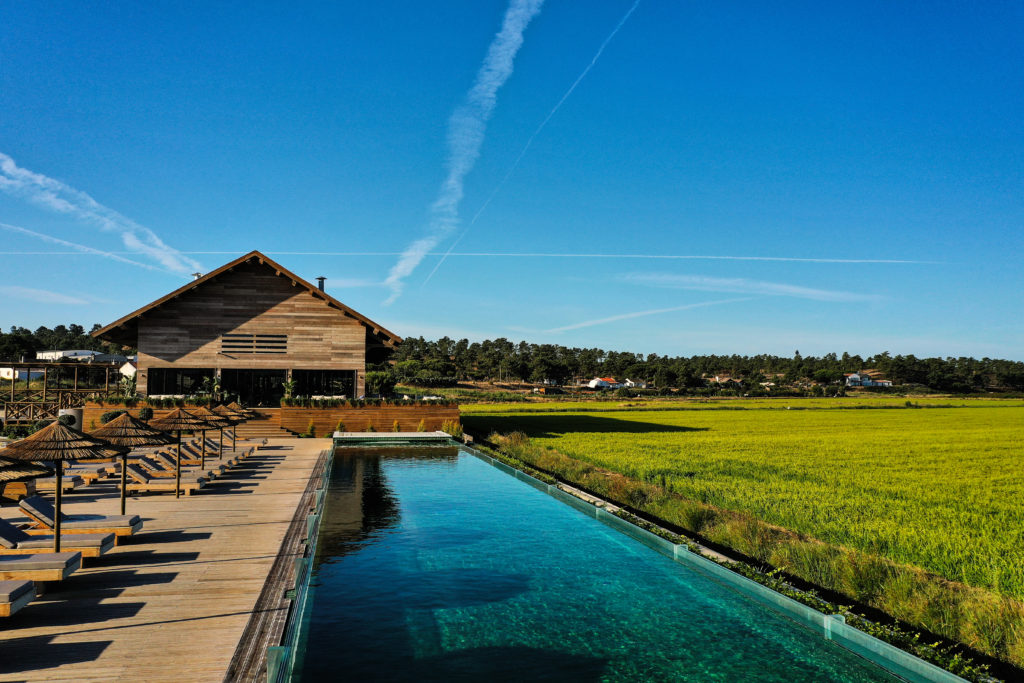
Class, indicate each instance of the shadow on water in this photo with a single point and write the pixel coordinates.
(555, 425)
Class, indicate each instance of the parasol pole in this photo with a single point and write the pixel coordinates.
(202, 437)
(124, 479)
(177, 469)
(56, 521)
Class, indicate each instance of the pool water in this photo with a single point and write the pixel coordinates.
(432, 565)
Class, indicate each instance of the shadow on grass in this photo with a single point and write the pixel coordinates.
(554, 425)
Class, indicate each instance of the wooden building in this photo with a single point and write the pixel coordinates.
(253, 325)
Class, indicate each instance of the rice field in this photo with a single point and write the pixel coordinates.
(940, 488)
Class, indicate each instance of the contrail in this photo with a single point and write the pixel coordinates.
(465, 136)
(529, 141)
(498, 254)
(640, 314)
(79, 248)
(62, 198)
(740, 285)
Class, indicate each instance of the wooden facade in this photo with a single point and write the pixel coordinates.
(249, 321)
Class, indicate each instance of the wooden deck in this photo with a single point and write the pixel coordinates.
(172, 603)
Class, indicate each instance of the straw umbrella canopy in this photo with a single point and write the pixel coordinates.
(58, 443)
(234, 418)
(238, 408)
(213, 421)
(12, 470)
(179, 421)
(125, 430)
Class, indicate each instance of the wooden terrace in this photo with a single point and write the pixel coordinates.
(172, 603)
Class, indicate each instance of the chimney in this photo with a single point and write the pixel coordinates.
(196, 276)
(320, 282)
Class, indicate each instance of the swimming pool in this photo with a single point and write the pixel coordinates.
(432, 565)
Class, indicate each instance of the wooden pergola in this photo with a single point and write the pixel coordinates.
(63, 385)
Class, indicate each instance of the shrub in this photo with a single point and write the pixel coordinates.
(110, 415)
(66, 420)
(340, 427)
(452, 427)
(396, 427)
(40, 424)
(422, 426)
(311, 430)
(145, 413)
(369, 427)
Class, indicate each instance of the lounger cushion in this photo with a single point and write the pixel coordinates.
(69, 541)
(109, 522)
(12, 590)
(11, 536)
(13, 563)
(41, 508)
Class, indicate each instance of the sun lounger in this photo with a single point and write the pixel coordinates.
(43, 517)
(68, 483)
(14, 595)
(143, 483)
(167, 461)
(14, 541)
(40, 566)
(89, 473)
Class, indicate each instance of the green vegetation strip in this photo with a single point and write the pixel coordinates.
(917, 513)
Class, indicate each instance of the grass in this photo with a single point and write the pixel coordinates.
(916, 512)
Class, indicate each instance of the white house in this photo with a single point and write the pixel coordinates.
(9, 373)
(863, 379)
(604, 383)
(638, 384)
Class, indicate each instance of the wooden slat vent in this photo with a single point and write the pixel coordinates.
(254, 343)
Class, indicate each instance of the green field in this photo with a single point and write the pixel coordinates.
(940, 488)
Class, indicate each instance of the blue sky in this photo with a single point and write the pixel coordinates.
(860, 169)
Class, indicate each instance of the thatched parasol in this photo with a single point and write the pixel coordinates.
(125, 430)
(57, 443)
(178, 421)
(245, 412)
(12, 470)
(233, 418)
(213, 421)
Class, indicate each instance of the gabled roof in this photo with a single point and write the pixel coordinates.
(125, 330)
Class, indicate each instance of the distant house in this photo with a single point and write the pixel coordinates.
(604, 383)
(863, 379)
(79, 355)
(637, 384)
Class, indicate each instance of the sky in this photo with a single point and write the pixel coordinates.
(661, 177)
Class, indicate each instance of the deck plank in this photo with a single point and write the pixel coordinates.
(172, 603)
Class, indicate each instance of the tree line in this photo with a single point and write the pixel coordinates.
(503, 360)
(22, 343)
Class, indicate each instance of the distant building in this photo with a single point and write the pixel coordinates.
(863, 379)
(604, 383)
(637, 384)
(79, 355)
(9, 374)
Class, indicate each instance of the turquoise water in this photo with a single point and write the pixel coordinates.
(434, 566)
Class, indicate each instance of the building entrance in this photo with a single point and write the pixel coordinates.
(257, 388)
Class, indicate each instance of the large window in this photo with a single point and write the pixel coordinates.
(324, 382)
(176, 380)
(254, 387)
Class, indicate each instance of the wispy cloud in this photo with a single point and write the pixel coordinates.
(740, 285)
(529, 141)
(57, 196)
(465, 136)
(561, 255)
(641, 314)
(79, 248)
(43, 296)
